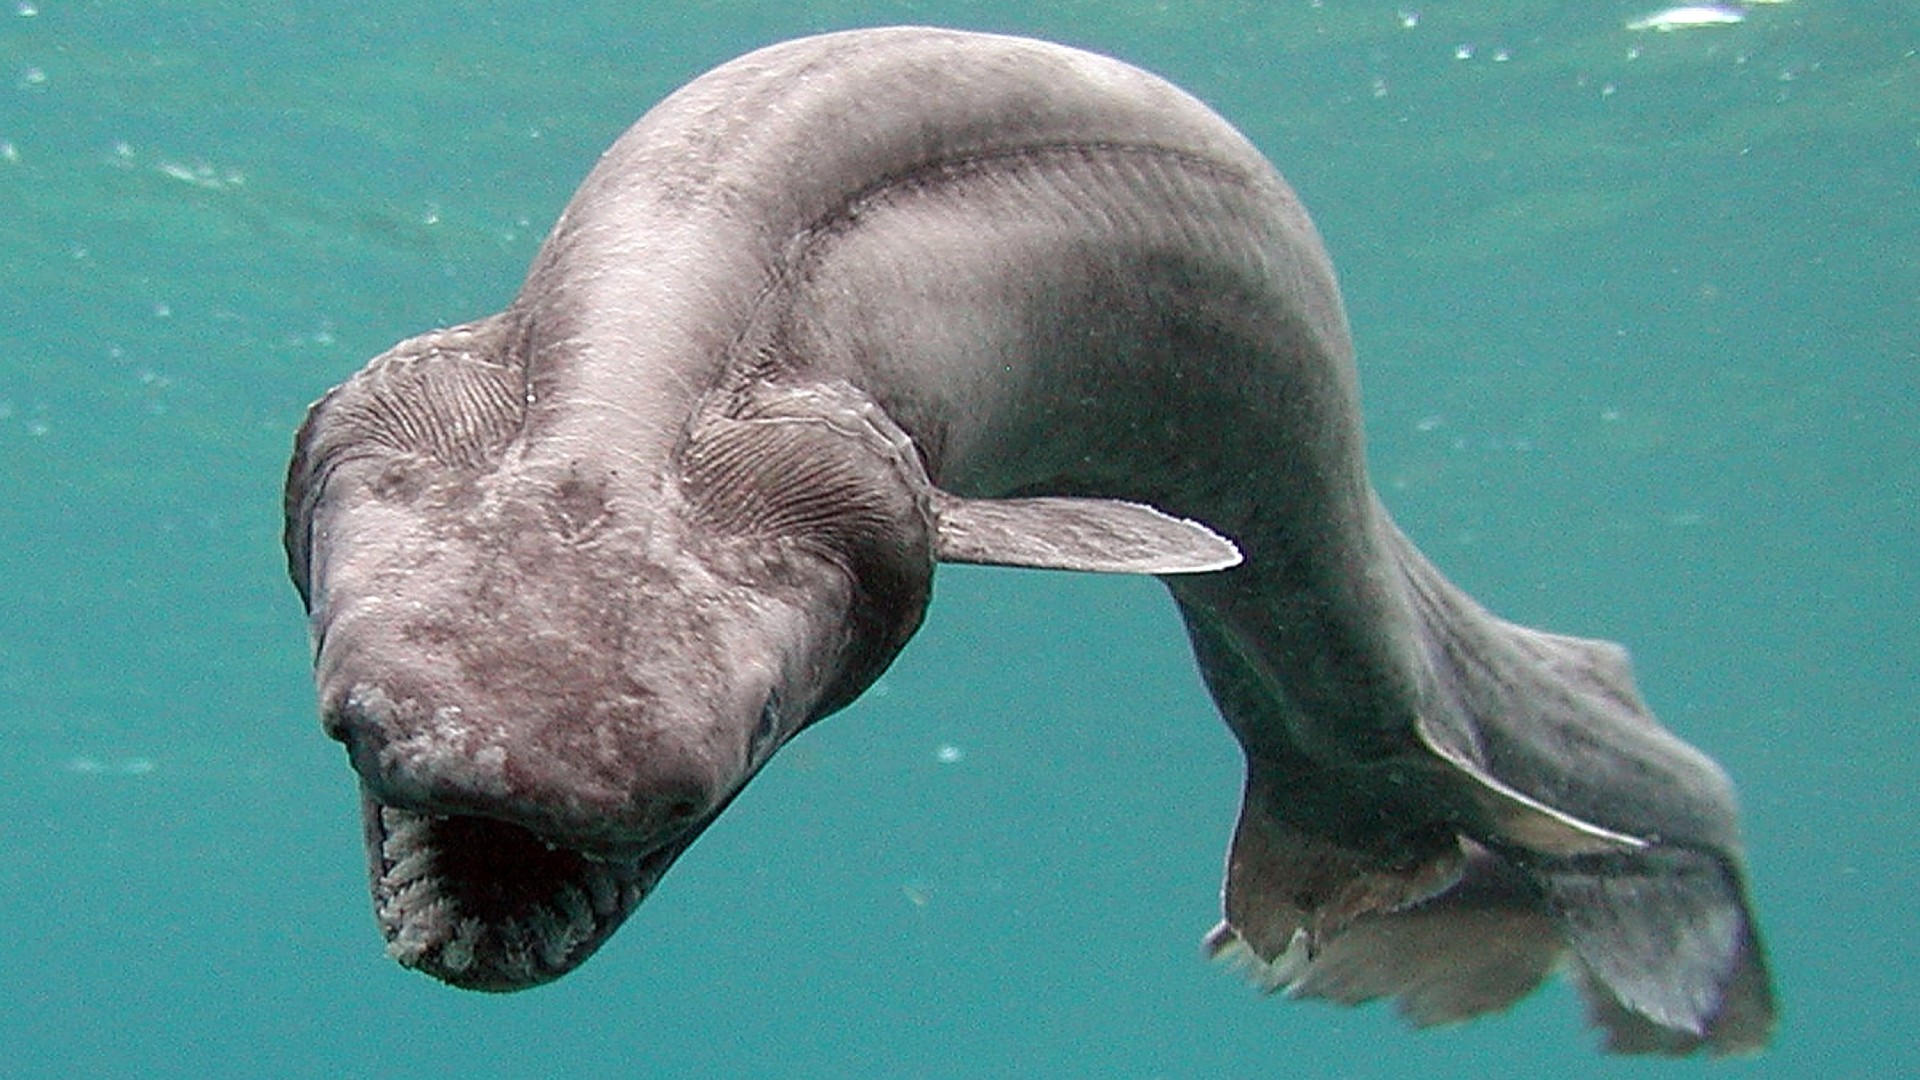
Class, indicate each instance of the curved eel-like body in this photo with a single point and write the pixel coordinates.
(854, 304)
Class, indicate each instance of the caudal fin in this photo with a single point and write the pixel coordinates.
(1664, 949)
(1536, 816)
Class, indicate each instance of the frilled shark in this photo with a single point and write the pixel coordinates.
(856, 304)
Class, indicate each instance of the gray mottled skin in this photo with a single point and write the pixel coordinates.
(857, 303)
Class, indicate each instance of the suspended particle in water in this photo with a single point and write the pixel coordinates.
(1689, 17)
(92, 766)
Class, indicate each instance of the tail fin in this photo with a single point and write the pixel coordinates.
(1626, 834)
(1541, 817)
(1665, 948)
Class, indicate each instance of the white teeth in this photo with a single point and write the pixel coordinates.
(511, 936)
(577, 912)
(412, 920)
(411, 867)
(428, 924)
(553, 936)
(605, 891)
(403, 828)
(457, 954)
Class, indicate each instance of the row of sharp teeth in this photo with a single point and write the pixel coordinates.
(425, 928)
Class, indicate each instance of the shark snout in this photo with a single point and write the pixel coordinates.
(589, 795)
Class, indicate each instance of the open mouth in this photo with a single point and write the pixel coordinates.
(486, 905)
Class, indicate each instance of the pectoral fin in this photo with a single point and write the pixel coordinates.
(1101, 535)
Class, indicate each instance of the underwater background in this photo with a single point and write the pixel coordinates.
(1638, 317)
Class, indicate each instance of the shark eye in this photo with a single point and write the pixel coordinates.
(765, 729)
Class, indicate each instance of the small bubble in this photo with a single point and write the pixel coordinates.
(162, 311)
(33, 78)
(8, 151)
(1501, 56)
(1463, 51)
(1409, 19)
(26, 9)
(948, 754)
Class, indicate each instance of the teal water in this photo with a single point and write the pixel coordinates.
(1639, 324)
